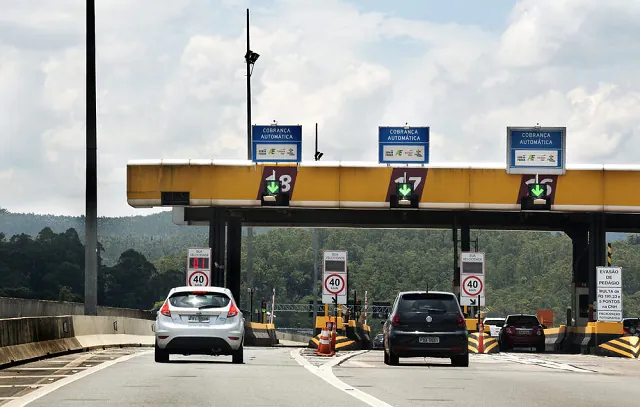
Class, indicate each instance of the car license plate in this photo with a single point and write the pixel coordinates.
(198, 318)
(429, 339)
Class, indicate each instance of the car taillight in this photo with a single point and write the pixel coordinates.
(395, 321)
(538, 330)
(165, 309)
(510, 330)
(233, 310)
(462, 323)
(199, 292)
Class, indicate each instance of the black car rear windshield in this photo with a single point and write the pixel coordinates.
(494, 322)
(427, 302)
(526, 320)
(188, 299)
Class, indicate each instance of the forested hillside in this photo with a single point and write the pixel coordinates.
(142, 257)
(154, 235)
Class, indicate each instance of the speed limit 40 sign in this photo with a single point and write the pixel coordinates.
(334, 284)
(198, 278)
(472, 290)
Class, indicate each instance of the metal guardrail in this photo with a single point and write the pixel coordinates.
(320, 308)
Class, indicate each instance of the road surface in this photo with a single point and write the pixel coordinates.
(296, 377)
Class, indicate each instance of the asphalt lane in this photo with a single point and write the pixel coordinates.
(501, 380)
(19, 381)
(269, 377)
(297, 377)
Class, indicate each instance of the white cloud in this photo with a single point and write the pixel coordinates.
(171, 84)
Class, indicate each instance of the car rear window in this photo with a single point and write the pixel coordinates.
(189, 299)
(426, 302)
(494, 322)
(523, 320)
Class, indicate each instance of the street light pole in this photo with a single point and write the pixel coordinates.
(91, 194)
(248, 61)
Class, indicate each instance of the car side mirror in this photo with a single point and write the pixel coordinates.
(544, 326)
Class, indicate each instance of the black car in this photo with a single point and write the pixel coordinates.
(426, 324)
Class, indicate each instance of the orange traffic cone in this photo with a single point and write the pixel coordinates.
(324, 345)
(481, 339)
(333, 334)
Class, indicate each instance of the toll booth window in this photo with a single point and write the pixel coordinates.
(472, 268)
(334, 265)
(428, 303)
(188, 299)
(523, 320)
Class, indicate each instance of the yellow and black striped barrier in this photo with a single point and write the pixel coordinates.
(626, 347)
(342, 343)
(490, 343)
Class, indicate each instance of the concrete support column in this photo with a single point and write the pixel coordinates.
(579, 235)
(234, 256)
(217, 245)
(597, 255)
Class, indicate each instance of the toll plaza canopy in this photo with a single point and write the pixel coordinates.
(355, 185)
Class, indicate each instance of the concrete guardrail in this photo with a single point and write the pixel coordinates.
(30, 338)
(23, 307)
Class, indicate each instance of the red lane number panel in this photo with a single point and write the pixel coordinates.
(286, 175)
(417, 176)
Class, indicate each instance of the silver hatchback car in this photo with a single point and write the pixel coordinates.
(199, 321)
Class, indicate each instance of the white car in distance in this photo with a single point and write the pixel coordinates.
(495, 326)
(199, 321)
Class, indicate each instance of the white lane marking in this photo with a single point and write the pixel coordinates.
(44, 368)
(543, 363)
(325, 372)
(35, 376)
(43, 391)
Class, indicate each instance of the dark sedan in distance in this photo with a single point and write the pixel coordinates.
(520, 331)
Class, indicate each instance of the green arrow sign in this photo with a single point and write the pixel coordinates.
(537, 190)
(404, 189)
(273, 186)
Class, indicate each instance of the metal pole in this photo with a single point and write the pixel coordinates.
(250, 266)
(91, 214)
(315, 155)
(250, 304)
(273, 306)
(248, 95)
(315, 275)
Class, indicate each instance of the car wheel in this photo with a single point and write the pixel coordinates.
(238, 356)
(386, 356)
(460, 360)
(540, 348)
(502, 346)
(161, 355)
(394, 360)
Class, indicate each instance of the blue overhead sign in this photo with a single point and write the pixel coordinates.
(276, 143)
(533, 150)
(403, 145)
